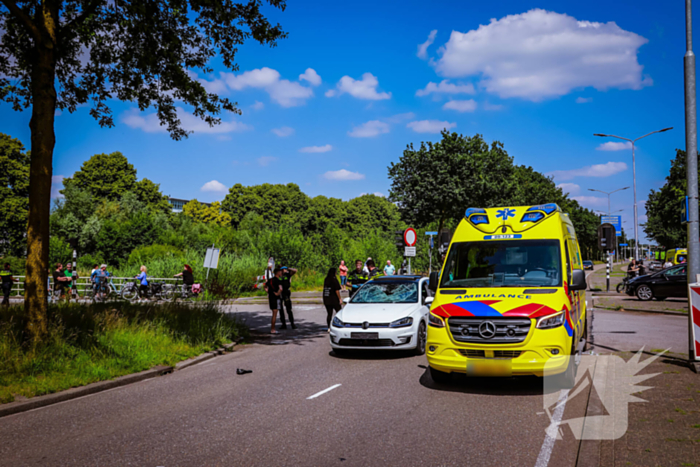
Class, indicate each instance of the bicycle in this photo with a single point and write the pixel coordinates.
(102, 291)
(132, 291)
(174, 291)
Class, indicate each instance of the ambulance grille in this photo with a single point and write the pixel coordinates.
(473, 353)
(508, 330)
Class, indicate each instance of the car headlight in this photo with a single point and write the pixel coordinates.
(337, 323)
(551, 321)
(402, 323)
(435, 321)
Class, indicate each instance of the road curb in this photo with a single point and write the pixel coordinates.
(639, 310)
(74, 393)
(100, 386)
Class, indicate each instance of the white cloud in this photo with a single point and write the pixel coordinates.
(398, 118)
(591, 201)
(423, 48)
(369, 129)
(342, 175)
(311, 76)
(150, 123)
(541, 54)
(214, 186)
(614, 146)
(266, 160)
(316, 149)
(598, 170)
(366, 88)
(461, 106)
(570, 188)
(257, 106)
(430, 126)
(283, 132)
(584, 100)
(57, 179)
(445, 87)
(286, 93)
(56, 186)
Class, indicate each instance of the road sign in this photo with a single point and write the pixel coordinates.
(684, 210)
(431, 242)
(409, 251)
(431, 233)
(410, 237)
(615, 221)
(624, 244)
(211, 260)
(694, 296)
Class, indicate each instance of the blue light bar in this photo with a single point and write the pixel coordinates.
(532, 217)
(547, 208)
(471, 211)
(480, 219)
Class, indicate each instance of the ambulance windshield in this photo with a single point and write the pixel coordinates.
(509, 263)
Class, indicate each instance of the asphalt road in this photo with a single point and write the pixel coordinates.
(380, 409)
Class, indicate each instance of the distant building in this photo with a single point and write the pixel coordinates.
(178, 203)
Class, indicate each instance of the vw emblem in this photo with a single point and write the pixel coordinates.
(487, 329)
(365, 325)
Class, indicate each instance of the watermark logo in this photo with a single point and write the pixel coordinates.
(610, 384)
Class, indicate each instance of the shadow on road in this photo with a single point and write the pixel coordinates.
(259, 324)
(512, 386)
(372, 354)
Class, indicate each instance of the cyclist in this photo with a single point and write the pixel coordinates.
(7, 281)
(187, 279)
(143, 278)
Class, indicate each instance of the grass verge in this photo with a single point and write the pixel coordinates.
(89, 343)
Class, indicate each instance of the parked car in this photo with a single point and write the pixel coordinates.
(671, 282)
(655, 265)
(389, 312)
(588, 264)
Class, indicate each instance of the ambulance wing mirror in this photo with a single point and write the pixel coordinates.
(578, 280)
(433, 281)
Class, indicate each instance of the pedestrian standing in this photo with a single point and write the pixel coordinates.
(270, 271)
(343, 274)
(286, 301)
(365, 269)
(72, 278)
(331, 296)
(59, 281)
(273, 286)
(7, 281)
(101, 279)
(143, 279)
(668, 264)
(389, 269)
(357, 277)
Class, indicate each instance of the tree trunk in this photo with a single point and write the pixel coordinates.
(40, 172)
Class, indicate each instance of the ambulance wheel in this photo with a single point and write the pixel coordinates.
(567, 379)
(440, 376)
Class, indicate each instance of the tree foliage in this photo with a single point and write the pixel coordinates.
(664, 207)
(14, 190)
(207, 214)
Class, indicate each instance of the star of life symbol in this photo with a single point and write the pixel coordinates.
(612, 384)
(505, 213)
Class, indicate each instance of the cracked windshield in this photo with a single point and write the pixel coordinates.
(530, 263)
(387, 292)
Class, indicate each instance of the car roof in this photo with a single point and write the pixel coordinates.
(411, 278)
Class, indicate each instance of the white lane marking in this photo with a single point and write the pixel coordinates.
(552, 429)
(323, 392)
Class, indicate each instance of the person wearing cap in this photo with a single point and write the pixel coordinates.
(101, 278)
(286, 298)
(7, 281)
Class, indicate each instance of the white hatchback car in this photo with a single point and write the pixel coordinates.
(389, 312)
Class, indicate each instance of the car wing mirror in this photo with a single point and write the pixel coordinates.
(578, 280)
(428, 301)
(346, 300)
(433, 281)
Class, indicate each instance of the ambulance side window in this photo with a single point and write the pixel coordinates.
(568, 260)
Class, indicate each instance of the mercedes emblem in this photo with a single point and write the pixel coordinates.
(487, 329)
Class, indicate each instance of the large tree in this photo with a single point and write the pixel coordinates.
(14, 189)
(275, 203)
(438, 181)
(59, 54)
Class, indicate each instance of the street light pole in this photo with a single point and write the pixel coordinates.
(634, 176)
(691, 154)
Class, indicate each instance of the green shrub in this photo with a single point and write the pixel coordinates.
(148, 253)
(59, 251)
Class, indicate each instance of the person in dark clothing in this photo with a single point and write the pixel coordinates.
(59, 281)
(286, 299)
(187, 279)
(331, 295)
(632, 269)
(273, 286)
(372, 270)
(357, 277)
(7, 281)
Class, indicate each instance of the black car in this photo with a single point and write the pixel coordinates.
(671, 282)
(588, 264)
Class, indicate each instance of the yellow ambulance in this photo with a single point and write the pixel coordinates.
(510, 299)
(677, 255)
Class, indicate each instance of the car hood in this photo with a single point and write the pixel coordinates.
(643, 278)
(376, 312)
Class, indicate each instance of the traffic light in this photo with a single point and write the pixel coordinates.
(606, 237)
(398, 240)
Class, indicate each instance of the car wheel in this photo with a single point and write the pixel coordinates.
(440, 376)
(644, 293)
(660, 298)
(421, 339)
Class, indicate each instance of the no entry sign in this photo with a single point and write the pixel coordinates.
(410, 237)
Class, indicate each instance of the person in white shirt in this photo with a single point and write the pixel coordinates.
(668, 264)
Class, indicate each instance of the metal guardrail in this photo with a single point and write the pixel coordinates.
(84, 285)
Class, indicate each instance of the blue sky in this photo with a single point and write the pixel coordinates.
(539, 77)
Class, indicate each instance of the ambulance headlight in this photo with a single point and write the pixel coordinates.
(435, 321)
(551, 321)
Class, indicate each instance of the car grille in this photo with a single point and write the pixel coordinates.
(473, 353)
(508, 330)
(370, 325)
(366, 342)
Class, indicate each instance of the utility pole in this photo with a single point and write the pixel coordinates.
(691, 152)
